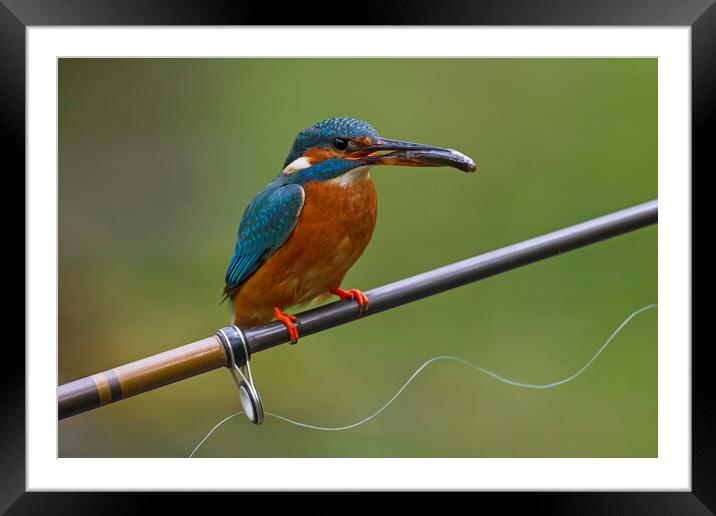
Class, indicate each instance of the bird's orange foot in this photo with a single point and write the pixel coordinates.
(354, 293)
(287, 320)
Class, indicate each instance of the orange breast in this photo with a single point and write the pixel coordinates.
(333, 229)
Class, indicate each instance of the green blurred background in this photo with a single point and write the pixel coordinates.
(159, 157)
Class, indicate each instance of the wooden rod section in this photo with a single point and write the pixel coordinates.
(140, 376)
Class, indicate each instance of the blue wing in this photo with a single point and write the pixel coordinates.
(265, 226)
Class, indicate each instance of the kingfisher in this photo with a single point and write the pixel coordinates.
(301, 234)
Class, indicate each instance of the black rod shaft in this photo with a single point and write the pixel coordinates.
(459, 273)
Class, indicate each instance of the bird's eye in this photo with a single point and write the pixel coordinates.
(340, 144)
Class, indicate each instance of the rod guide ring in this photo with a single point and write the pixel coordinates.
(232, 337)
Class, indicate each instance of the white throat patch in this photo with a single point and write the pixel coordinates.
(352, 177)
(296, 165)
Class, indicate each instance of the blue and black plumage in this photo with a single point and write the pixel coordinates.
(266, 224)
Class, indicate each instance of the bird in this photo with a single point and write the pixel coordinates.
(299, 235)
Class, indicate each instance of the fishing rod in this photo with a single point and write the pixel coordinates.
(232, 346)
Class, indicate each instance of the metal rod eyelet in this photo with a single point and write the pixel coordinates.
(248, 394)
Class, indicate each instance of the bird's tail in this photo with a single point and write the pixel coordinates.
(227, 294)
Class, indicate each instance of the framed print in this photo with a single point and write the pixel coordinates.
(525, 154)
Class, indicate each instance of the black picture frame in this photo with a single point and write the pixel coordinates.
(17, 15)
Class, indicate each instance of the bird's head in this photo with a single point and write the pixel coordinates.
(336, 146)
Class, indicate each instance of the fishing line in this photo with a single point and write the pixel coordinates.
(426, 364)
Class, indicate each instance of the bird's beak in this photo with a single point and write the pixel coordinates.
(408, 154)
